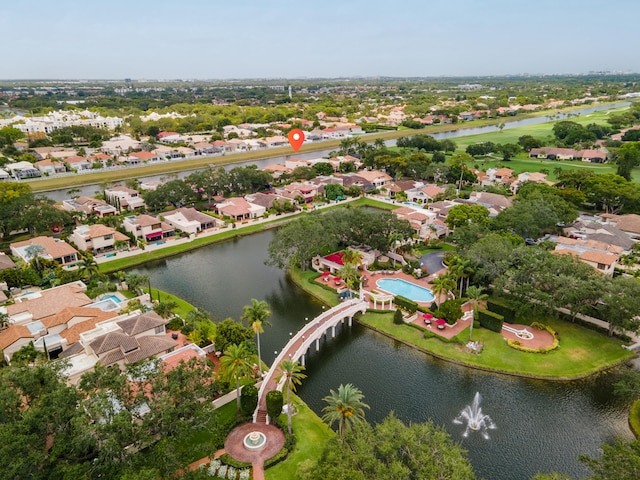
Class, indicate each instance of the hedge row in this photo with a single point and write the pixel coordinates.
(516, 345)
(406, 304)
(490, 320)
(634, 418)
(501, 308)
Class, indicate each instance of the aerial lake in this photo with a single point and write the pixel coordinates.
(542, 426)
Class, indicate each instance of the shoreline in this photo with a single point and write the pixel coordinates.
(297, 279)
(45, 185)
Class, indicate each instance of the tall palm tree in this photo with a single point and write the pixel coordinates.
(475, 295)
(256, 316)
(291, 372)
(235, 364)
(345, 407)
(442, 284)
(88, 267)
(350, 274)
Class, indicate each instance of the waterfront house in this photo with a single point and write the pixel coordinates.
(97, 238)
(53, 249)
(189, 220)
(124, 198)
(147, 227)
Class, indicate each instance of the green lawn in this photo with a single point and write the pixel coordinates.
(312, 434)
(582, 351)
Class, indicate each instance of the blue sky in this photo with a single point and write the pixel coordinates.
(215, 39)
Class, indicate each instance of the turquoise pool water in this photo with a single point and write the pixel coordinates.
(111, 297)
(405, 289)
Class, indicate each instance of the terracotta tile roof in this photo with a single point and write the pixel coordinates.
(81, 314)
(599, 257)
(142, 323)
(191, 214)
(51, 301)
(6, 262)
(12, 334)
(629, 223)
(151, 345)
(111, 340)
(143, 155)
(55, 248)
(72, 334)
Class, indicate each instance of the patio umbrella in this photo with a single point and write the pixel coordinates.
(337, 279)
(325, 274)
(440, 321)
(428, 316)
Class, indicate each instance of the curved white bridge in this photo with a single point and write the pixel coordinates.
(300, 343)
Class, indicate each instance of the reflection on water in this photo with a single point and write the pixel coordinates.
(542, 426)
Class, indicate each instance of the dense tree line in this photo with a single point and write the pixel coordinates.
(296, 243)
(108, 426)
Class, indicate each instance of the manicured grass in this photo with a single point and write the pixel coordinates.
(634, 418)
(305, 280)
(311, 433)
(582, 351)
(183, 307)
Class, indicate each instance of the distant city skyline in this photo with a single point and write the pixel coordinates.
(198, 39)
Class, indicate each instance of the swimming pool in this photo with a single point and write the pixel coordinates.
(115, 298)
(405, 289)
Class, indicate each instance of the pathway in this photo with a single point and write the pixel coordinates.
(300, 343)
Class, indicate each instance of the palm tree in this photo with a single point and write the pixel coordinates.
(443, 284)
(350, 274)
(475, 295)
(352, 257)
(33, 252)
(235, 364)
(88, 267)
(256, 316)
(379, 143)
(345, 407)
(291, 372)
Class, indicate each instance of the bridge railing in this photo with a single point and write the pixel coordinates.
(283, 355)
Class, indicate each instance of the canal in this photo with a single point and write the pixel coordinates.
(542, 426)
(61, 194)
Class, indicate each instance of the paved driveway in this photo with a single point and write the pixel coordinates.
(432, 261)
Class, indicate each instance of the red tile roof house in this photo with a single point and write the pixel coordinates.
(50, 167)
(190, 220)
(89, 206)
(593, 156)
(378, 179)
(147, 227)
(118, 341)
(603, 262)
(123, 197)
(78, 163)
(305, 190)
(425, 194)
(553, 153)
(54, 249)
(97, 239)
(239, 209)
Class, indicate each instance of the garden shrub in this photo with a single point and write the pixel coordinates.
(227, 459)
(397, 317)
(490, 320)
(274, 403)
(248, 399)
(408, 269)
(516, 345)
(502, 308)
(406, 304)
(174, 324)
(277, 458)
(450, 310)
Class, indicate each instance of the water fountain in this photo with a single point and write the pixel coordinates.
(475, 419)
(254, 440)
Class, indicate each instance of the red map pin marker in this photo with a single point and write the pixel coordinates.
(296, 138)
